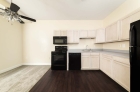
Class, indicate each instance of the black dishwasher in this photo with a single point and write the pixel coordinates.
(74, 61)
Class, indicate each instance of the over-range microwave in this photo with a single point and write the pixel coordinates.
(59, 39)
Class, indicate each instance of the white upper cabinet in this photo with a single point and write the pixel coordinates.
(112, 32)
(69, 36)
(72, 36)
(100, 36)
(91, 33)
(125, 28)
(63, 33)
(125, 25)
(75, 36)
(87, 33)
(60, 33)
(108, 34)
(56, 32)
(83, 34)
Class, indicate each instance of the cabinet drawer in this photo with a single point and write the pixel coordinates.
(121, 60)
(92, 54)
(106, 56)
(85, 54)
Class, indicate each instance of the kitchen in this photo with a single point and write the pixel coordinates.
(105, 41)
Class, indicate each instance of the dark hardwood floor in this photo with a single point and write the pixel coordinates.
(76, 81)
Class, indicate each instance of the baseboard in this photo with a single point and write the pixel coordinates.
(10, 68)
(36, 63)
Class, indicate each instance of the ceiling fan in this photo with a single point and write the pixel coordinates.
(11, 13)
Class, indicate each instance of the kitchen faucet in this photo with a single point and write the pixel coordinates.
(87, 46)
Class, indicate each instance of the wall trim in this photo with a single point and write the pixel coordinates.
(10, 68)
(36, 63)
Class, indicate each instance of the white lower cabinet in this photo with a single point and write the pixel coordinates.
(106, 64)
(85, 62)
(121, 72)
(117, 68)
(94, 62)
(90, 61)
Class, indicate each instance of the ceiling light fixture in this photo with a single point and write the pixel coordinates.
(11, 13)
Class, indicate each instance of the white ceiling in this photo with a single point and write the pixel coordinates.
(67, 9)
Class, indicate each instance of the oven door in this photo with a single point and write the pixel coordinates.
(59, 61)
(59, 40)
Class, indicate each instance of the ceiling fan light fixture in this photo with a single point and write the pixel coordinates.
(11, 13)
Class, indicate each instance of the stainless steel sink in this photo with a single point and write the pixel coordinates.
(91, 50)
(86, 50)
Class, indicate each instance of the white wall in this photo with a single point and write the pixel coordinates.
(123, 10)
(38, 38)
(128, 7)
(10, 43)
(117, 45)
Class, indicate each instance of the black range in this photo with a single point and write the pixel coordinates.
(59, 58)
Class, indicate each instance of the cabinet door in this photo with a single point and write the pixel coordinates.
(121, 74)
(91, 33)
(112, 32)
(63, 33)
(125, 27)
(100, 36)
(94, 62)
(83, 33)
(108, 34)
(76, 36)
(106, 66)
(101, 63)
(57, 33)
(115, 31)
(69, 36)
(85, 63)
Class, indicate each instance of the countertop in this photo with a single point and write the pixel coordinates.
(119, 53)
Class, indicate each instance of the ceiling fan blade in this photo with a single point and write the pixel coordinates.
(27, 18)
(2, 6)
(1, 13)
(2, 10)
(14, 7)
(20, 21)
